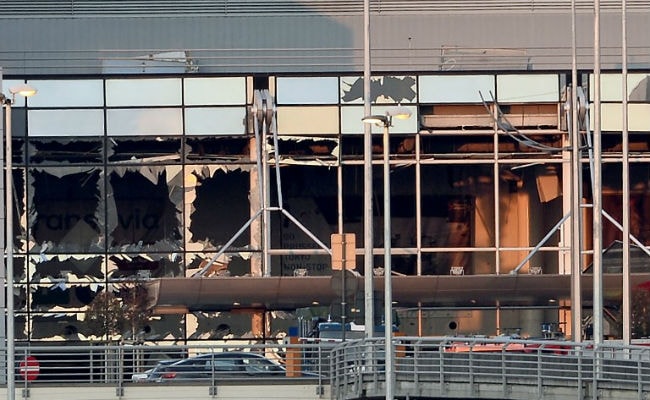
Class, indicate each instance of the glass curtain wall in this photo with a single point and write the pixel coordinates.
(120, 180)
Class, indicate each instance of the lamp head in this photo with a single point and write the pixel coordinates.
(398, 112)
(23, 90)
(379, 120)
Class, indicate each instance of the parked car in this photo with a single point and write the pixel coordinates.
(224, 365)
(146, 376)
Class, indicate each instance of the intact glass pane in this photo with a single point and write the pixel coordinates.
(215, 121)
(308, 120)
(528, 88)
(305, 90)
(144, 121)
(612, 117)
(68, 93)
(65, 122)
(351, 119)
(143, 92)
(455, 88)
(215, 91)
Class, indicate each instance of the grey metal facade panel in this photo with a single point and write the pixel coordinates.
(316, 42)
(249, 7)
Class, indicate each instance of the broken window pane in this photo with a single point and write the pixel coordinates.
(19, 228)
(227, 264)
(57, 326)
(218, 325)
(144, 210)
(20, 326)
(73, 268)
(60, 295)
(222, 149)
(307, 148)
(141, 266)
(457, 205)
(65, 150)
(220, 206)
(65, 210)
(144, 150)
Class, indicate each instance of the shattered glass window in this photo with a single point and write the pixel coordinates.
(144, 208)
(144, 150)
(312, 208)
(221, 149)
(65, 209)
(219, 205)
(136, 266)
(65, 150)
(69, 268)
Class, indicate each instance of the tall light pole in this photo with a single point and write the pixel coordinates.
(23, 90)
(385, 121)
(368, 243)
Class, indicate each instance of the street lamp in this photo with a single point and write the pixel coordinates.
(26, 91)
(386, 121)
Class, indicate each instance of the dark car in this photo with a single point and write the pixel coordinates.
(225, 365)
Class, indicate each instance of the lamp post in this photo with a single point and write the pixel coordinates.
(385, 121)
(23, 90)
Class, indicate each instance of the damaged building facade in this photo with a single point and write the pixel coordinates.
(199, 188)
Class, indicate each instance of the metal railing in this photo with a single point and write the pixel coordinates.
(481, 367)
(122, 365)
(474, 367)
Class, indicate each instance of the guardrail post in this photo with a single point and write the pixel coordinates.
(504, 372)
(539, 372)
